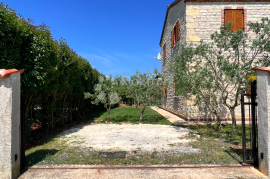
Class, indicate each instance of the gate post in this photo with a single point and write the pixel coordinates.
(263, 92)
(10, 89)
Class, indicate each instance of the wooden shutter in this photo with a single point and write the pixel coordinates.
(175, 35)
(238, 20)
(173, 38)
(164, 50)
(229, 18)
(178, 27)
(164, 90)
(174, 90)
(176, 31)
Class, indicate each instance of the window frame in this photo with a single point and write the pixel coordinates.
(175, 34)
(238, 8)
(164, 50)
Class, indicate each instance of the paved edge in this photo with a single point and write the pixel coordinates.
(136, 167)
(56, 169)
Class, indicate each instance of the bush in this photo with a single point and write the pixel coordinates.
(55, 77)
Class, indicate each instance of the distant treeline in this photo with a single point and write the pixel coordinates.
(55, 77)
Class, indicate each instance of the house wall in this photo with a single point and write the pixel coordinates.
(201, 19)
(204, 18)
(177, 12)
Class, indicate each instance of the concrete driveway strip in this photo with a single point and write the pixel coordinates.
(83, 172)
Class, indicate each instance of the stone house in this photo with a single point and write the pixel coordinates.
(195, 20)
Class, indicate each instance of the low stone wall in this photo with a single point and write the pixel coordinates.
(189, 112)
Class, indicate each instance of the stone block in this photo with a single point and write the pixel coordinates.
(193, 12)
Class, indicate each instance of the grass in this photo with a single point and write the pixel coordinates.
(216, 146)
(132, 115)
(210, 131)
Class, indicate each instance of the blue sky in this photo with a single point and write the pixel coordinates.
(116, 37)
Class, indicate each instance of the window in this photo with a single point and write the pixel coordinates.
(175, 90)
(176, 33)
(165, 91)
(164, 50)
(236, 17)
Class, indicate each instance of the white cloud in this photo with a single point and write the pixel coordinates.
(93, 58)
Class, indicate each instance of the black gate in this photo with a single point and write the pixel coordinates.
(249, 127)
(22, 133)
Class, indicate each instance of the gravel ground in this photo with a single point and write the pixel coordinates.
(146, 137)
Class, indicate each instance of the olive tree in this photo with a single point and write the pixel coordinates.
(216, 72)
(107, 92)
(146, 90)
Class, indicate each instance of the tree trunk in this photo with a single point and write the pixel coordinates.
(218, 122)
(109, 113)
(52, 119)
(28, 102)
(234, 127)
(141, 116)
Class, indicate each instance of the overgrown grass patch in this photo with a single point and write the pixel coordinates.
(225, 133)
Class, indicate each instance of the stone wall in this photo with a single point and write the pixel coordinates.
(177, 12)
(198, 21)
(204, 18)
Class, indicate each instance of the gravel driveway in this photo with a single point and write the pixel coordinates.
(146, 137)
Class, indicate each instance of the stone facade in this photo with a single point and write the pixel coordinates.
(198, 21)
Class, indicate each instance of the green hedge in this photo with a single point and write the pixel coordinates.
(55, 77)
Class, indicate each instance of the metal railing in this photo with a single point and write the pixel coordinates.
(249, 134)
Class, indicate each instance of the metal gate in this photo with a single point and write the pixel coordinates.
(250, 128)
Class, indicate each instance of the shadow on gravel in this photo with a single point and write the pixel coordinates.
(38, 156)
(121, 154)
(238, 154)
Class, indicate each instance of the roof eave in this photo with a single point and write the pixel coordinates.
(168, 8)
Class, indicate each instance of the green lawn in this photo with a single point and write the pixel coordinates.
(131, 115)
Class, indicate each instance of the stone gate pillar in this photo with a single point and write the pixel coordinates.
(10, 89)
(263, 92)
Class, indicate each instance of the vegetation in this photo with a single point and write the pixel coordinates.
(131, 115)
(55, 77)
(146, 90)
(107, 92)
(225, 133)
(216, 73)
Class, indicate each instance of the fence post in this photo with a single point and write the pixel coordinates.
(263, 92)
(10, 89)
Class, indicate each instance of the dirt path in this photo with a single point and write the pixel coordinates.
(83, 172)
